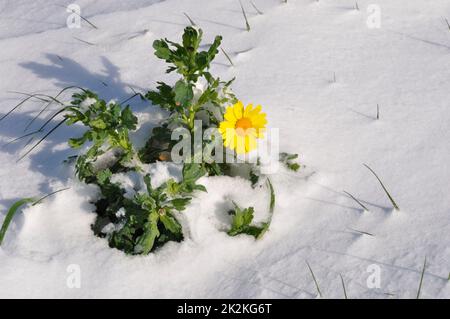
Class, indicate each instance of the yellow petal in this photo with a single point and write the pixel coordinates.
(238, 109)
(240, 145)
(229, 115)
(247, 110)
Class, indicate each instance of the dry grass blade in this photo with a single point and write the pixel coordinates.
(53, 99)
(359, 203)
(190, 20)
(247, 25)
(131, 97)
(81, 17)
(32, 95)
(421, 278)
(20, 137)
(361, 232)
(343, 286)
(15, 108)
(384, 188)
(314, 278)
(254, 7)
(227, 56)
(41, 140)
(84, 41)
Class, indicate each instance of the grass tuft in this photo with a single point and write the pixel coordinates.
(384, 188)
(421, 278)
(314, 278)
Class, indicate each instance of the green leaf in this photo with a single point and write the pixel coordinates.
(199, 187)
(98, 123)
(77, 142)
(151, 232)
(171, 223)
(180, 203)
(148, 183)
(183, 93)
(214, 48)
(162, 50)
(129, 120)
(191, 39)
(104, 176)
(192, 172)
(11, 212)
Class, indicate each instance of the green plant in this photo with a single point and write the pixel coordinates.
(108, 126)
(288, 160)
(140, 218)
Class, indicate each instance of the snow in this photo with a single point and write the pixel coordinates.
(287, 63)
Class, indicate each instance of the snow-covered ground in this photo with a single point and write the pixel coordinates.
(319, 70)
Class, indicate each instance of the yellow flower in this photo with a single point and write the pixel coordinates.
(242, 126)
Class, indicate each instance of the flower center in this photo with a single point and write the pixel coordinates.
(243, 123)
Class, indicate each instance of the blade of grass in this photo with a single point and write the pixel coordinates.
(81, 17)
(384, 188)
(314, 278)
(190, 20)
(20, 137)
(28, 94)
(272, 197)
(131, 97)
(55, 99)
(361, 232)
(42, 111)
(15, 107)
(48, 195)
(257, 10)
(9, 216)
(247, 25)
(227, 56)
(448, 23)
(343, 286)
(378, 112)
(271, 210)
(421, 278)
(15, 207)
(360, 204)
(42, 139)
(83, 41)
